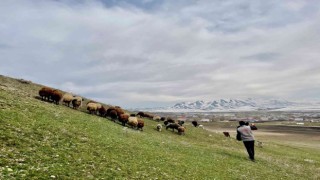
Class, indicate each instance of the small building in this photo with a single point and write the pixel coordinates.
(205, 120)
(298, 119)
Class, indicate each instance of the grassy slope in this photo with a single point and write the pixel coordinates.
(39, 140)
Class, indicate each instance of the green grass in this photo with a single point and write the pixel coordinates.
(40, 140)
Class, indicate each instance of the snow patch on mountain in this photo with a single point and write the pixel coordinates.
(233, 105)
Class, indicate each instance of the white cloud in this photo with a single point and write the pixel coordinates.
(129, 56)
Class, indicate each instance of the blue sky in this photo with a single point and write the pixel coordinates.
(156, 53)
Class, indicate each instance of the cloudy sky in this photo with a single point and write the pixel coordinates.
(149, 53)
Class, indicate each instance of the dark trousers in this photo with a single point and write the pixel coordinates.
(250, 148)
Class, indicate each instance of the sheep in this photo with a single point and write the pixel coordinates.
(226, 134)
(146, 115)
(181, 130)
(45, 93)
(50, 94)
(201, 126)
(172, 126)
(102, 111)
(150, 116)
(169, 120)
(253, 127)
(67, 98)
(159, 127)
(180, 122)
(76, 102)
(111, 112)
(140, 124)
(133, 121)
(141, 114)
(110, 109)
(162, 119)
(92, 107)
(194, 123)
(98, 104)
(166, 123)
(91, 102)
(119, 110)
(56, 96)
(123, 118)
(157, 118)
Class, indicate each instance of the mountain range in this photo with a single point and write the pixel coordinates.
(233, 105)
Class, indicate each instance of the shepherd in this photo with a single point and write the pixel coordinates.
(247, 137)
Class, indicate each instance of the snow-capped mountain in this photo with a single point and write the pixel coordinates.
(233, 104)
(250, 104)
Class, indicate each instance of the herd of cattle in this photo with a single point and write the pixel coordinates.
(114, 113)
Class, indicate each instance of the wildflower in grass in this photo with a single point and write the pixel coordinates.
(9, 169)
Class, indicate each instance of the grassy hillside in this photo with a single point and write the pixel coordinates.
(40, 140)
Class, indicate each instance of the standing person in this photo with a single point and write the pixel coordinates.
(247, 137)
